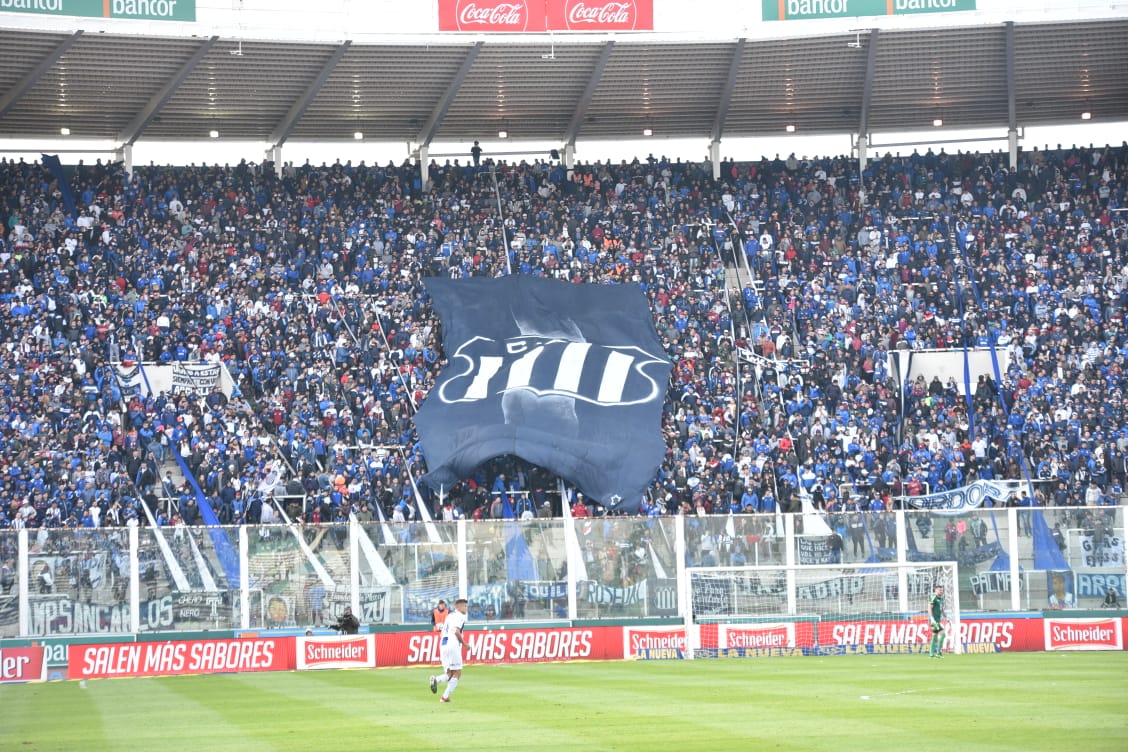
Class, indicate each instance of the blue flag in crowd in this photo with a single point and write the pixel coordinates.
(568, 377)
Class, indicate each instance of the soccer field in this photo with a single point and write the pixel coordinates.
(1013, 701)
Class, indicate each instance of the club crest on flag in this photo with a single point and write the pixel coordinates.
(543, 366)
(570, 377)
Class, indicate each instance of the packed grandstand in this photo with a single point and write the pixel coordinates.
(777, 291)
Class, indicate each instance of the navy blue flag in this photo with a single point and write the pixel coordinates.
(568, 377)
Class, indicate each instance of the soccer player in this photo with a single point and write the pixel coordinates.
(451, 642)
(935, 614)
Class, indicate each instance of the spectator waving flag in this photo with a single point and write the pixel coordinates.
(569, 377)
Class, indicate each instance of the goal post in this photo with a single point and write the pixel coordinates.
(817, 608)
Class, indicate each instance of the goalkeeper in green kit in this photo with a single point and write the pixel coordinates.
(935, 614)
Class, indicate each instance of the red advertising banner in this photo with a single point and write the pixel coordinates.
(351, 651)
(600, 15)
(505, 646)
(1007, 634)
(1083, 634)
(23, 665)
(531, 16)
(758, 636)
(174, 658)
(653, 642)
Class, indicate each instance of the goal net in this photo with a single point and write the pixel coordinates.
(817, 609)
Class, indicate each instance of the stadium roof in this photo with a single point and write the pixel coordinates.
(120, 87)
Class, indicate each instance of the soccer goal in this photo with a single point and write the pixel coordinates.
(817, 608)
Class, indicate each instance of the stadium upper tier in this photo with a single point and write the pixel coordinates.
(777, 293)
(968, 70)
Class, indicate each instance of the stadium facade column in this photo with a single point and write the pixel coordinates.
(1012, 147)
(715, 157)
(274, 154)
(424, 167)
(862, 144)
(124, 154)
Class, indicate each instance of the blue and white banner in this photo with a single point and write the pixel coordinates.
(1103, 551)
(570, 377)
(1091, 585)
(959, 500)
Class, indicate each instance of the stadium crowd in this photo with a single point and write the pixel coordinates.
(307, 286)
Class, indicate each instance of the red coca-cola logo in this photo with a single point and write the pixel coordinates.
(483, 15)
(591, 14)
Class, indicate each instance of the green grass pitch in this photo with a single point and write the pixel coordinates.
(1014, 701)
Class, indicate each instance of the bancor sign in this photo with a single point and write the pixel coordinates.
(144, 10)
(795, 10)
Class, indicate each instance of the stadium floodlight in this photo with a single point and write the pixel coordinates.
(816, 608)
(64, 131)
(1086, 115)
(503, 134)
(213, 134)
(790, 128)
(359, 136)
(647, 132)
(937, 122)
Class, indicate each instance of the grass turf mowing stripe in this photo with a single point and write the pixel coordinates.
(1019, 702)
(47, 717)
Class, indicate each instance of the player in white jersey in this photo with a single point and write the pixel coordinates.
(451, 643)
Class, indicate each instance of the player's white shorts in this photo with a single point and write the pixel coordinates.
(451, 655)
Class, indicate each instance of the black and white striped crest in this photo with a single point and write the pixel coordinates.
(545, 366)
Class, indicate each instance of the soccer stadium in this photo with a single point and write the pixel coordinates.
(691, 375)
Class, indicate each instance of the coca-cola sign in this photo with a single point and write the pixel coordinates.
(487, 15)
(585, 15)
(483, 16)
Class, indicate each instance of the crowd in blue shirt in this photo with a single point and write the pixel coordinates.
(307, 286)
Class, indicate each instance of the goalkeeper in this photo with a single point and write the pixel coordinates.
(935, 614)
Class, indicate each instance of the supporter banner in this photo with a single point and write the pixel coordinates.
(138, 10)
(654, 642)
(129, 378)
(797, 10)
(1107, 552)
(62, 615)
(543, 590)
(605, 595)
(175, 658)
(815, 550)
(526, 16)
(375, 604)
(1097, 585)
(1083, 634)
(486, 601)
(505, 646)
(662, 596)
(959, 500)
(419, 602)
(195, 377)
(711, 596)
(834, 588)
(1007, 634)
(352, 651)
(570, 377)
(991, 582)
(22, 665)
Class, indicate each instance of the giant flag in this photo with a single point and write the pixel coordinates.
(568, 377)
